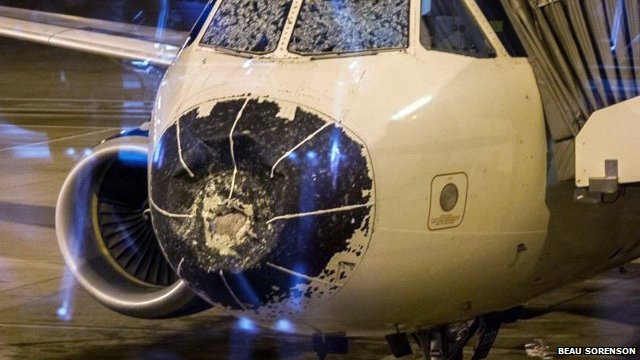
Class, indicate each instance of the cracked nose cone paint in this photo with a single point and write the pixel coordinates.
(261, 204)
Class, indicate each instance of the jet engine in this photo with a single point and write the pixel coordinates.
(106, 235)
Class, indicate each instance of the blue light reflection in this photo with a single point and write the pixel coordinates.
(312, 155)
(162, 18)
(293, 157)
(158, 155)
(297, 296)
(616, 27)
(132, 158)
(246, 325)
(334, 157)
(242, 338)
(246, 288)
(140, 63)
(65, 311)
(284, 325)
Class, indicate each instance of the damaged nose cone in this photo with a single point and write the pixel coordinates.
(222, 233)
(260, 204)
(227, 227)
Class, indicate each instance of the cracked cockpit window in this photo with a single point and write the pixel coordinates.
(248, 26)
(344, 26)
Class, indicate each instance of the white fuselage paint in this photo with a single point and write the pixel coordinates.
(421, 114)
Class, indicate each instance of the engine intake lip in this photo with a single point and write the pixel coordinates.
(86, 256)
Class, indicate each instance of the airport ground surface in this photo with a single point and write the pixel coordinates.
(56, 104)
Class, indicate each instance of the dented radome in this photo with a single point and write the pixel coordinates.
(227, 224)
(261, 204)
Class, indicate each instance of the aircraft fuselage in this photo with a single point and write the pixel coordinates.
(417, 122)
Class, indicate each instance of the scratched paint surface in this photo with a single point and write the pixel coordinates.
(292, 224)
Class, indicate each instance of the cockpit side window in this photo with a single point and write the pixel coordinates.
(253, 26)
(448, 26)
(497, 16)
(349, 26)
(197, 27)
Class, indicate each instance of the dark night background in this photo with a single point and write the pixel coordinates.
(170, 14)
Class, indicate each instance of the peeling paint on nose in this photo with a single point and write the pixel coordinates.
(260, 209)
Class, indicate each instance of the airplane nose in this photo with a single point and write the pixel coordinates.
(261, 204)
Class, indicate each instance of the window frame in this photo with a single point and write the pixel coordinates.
(198, 27)
(475, 14)
(499, 45)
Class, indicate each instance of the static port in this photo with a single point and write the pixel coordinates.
(449, 197)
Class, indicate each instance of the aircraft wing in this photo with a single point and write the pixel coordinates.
(109, 38)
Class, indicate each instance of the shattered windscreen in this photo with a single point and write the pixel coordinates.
(249, 26)
(338, 26)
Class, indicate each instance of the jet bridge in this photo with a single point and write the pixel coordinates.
(586, 56)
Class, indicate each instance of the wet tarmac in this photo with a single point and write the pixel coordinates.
(54, 106)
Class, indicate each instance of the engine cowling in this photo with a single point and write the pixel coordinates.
(106, 236)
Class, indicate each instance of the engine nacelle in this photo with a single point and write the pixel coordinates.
(107, 239)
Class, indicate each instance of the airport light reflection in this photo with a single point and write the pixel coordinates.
(304, 226)
(140, 63)
(246, 325)
(334, 157)
(36, 148)
(162, 18)
(242, 337)
(33, 152)
(158, 155)
(65, 311)
(617, 25)
(67, 284)
(132, 158)
(246, 288)
(296, 294)
(311, 155)
(76, 154)
(284, 325)
(411, 108)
